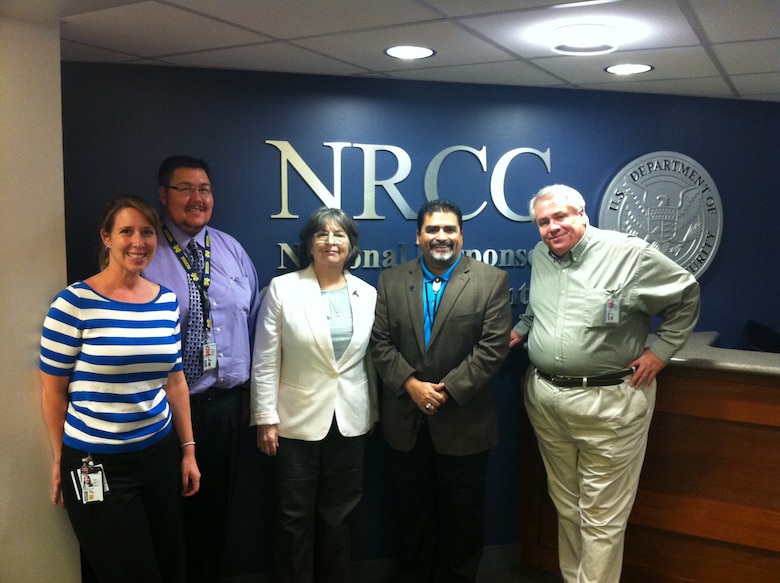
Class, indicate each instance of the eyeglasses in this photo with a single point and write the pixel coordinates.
(325, 236)
(189, 189)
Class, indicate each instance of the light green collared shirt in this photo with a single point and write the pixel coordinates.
(566, 325)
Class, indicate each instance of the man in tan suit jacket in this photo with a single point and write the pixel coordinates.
(440, 334)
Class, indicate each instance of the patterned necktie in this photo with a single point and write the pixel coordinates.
(193, 346)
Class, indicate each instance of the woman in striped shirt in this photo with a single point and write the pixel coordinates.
(115, 402)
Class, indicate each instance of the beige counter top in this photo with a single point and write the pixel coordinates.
(699, 353)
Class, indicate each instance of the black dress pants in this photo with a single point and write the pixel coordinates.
(135, 533)
(441, 501)
(317, 484)
(216, 418)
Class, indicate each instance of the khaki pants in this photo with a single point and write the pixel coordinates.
(592, 442)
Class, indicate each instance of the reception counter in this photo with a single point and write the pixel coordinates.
(708, 506)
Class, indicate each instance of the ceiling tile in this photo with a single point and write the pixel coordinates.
(470, 8)
(726, 21)
(657, 23)
(70, 51)
(278, 57)
(150, 29)
(285, 19)
(453, 46)
(725, 48)
(749, 57)
(503, 73)
(762, 83)
(667, 64)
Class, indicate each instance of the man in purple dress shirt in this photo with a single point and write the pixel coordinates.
(228, 297)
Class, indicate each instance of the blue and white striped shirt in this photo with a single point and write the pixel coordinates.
(118, 356)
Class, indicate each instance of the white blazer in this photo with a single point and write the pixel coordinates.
(296, 381)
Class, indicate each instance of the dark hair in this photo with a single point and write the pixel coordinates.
(173, 163)
(438, 206)
(119, 203)
(320, 220)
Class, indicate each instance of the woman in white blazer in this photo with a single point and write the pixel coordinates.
(314, 399)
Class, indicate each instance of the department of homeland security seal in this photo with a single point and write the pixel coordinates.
(671, 202)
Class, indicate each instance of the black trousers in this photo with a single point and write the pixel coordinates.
(135, 533)
(216, 419)
(317, 484)
(441, 501)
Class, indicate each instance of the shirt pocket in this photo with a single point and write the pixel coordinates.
(236, 294)
(594, 307)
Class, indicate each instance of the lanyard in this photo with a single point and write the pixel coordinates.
(192, 273)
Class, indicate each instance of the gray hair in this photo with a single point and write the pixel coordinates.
(321, 219)
(573, 198)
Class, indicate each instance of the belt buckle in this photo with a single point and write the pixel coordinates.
(561, 380)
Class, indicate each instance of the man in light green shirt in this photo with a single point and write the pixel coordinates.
(590, 393)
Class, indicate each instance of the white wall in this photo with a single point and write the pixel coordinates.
(36, 541)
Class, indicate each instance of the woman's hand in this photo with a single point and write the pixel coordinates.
(268, 439)
(190, 474)
(54, 399)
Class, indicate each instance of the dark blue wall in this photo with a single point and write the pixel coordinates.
(121, 121)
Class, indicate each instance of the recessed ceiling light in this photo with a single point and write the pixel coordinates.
(410, 52)
(584, 39)
(628, 69)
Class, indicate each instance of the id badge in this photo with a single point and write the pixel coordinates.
(209, 356)
(89, 481)
(92, 485)
(612, 311)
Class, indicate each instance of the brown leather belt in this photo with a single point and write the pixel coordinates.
(602, 380)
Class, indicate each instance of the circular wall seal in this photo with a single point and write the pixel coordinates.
(671, 202)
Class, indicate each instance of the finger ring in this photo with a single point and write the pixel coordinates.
(428, 407)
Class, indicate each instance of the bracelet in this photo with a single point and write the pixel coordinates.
(187, 443)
